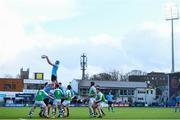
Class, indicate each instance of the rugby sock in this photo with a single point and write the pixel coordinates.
(53, 111)
(112, 108)
(102, 112)
(108, 108)
(41, 112)
(31, 112)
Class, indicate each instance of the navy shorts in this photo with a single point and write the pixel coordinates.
(110, 102)
(53, 78)
(46, 101)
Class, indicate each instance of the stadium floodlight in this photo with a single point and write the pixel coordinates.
(172, 14)
(83, 63)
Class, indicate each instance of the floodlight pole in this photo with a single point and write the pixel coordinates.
(172, 37)
(83, 63)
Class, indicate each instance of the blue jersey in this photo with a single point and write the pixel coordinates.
(54, 70)
(178, 99)
(63, 90)
(109, 98)
(47, 89)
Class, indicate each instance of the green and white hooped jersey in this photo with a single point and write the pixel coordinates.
(104, 99)
(99, 97)
(58, 93)
(69, 96)
(41, 95)
(92, 92)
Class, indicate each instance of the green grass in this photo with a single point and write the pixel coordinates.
(82, 113)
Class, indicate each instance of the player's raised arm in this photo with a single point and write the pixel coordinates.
(46, 57)
(48, 95)
(49, 61)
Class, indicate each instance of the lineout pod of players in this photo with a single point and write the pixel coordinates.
(59, 98)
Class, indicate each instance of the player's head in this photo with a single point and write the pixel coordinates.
(97, 87)
(92, 83)
(69, 87)
(45, 84)
(60, 84)
(57, 62)
(110, 92)
(41, 87)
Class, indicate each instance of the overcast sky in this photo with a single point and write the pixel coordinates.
(115, 34)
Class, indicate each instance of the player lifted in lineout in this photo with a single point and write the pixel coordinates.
(54, 69)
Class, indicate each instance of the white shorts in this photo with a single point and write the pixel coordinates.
(39, 104)
(57, 102)
(66, 103)
(100, 104)
(91, 101)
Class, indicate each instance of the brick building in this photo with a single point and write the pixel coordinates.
(11, 84)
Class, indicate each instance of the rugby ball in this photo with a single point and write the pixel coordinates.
(43, 56)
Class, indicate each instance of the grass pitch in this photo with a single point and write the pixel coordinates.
(82, 113)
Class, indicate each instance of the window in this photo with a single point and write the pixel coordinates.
(147, 91)
(130, 92)
(13, 86)
(140, 98)
(141, 92)
(125, 92)
(9, 86)
(121, 92)
(151, 91)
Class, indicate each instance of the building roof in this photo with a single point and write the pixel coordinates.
(113, 84)
(32, 81)
(10, 79)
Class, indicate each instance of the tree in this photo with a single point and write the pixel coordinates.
(115, 75)
(118, 76)
(136, 72)
(101, 76)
